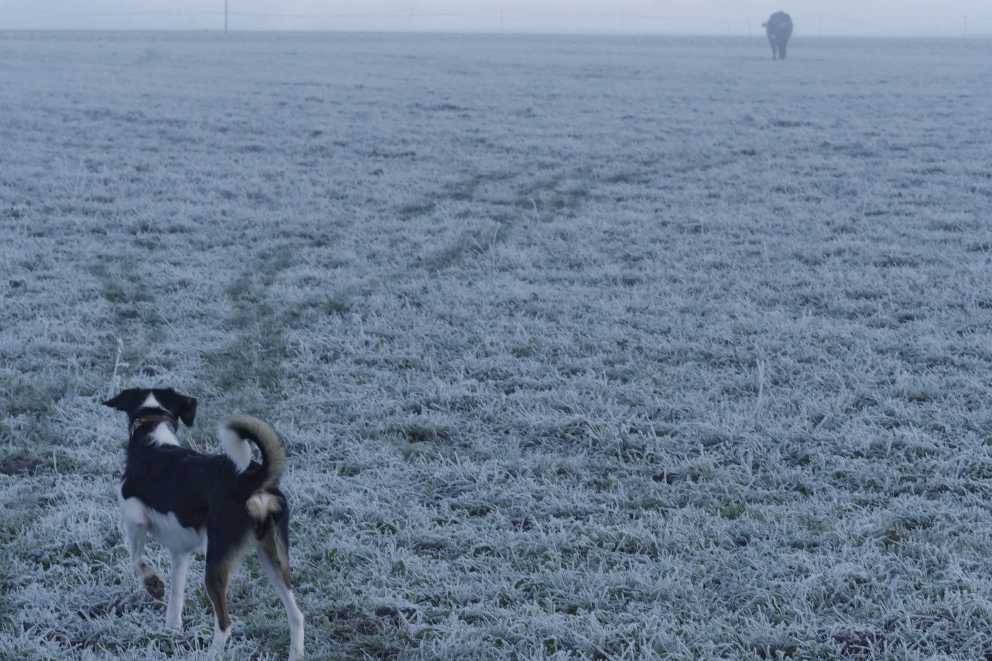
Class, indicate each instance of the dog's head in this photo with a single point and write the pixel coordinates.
(149, 401)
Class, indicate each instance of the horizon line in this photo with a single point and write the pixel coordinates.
(515, 32)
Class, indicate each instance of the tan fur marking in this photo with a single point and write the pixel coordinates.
(261, 505)
(216, 580)
(271, 545)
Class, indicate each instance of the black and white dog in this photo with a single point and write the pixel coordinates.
(196, 502)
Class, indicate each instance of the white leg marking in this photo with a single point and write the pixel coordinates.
(135, 530)
(177, 595)
(220, 638)
(292, 610)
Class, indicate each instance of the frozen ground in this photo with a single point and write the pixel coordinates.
(582, 347)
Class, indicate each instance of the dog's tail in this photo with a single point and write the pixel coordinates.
(234, 437)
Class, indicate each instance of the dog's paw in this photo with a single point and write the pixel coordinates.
(155, 586)
(218, 644)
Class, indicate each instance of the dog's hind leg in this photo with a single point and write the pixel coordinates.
(274, 557)
(177, 594)
(136, 530)
(225, 541)
(217, 576)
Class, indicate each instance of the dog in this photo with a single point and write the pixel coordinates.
(219, 504)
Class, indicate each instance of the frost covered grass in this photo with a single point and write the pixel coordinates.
(582, 347)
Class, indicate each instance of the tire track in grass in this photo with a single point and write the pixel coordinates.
(543, 199)
(248, 373)
(134, 315)
(475, 241)
(31, 435)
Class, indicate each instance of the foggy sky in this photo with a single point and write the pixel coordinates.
(948, 18)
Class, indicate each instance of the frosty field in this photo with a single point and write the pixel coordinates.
(582, 347)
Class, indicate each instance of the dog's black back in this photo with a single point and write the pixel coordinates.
(203, 491)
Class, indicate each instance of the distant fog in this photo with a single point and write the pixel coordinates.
(950, 18)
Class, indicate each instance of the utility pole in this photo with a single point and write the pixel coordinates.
(225, 16)
(966, 25)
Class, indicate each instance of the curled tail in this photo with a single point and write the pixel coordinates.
(234, 436)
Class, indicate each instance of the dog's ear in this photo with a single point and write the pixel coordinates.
(126, 400)
(180, 405)
(188, 411)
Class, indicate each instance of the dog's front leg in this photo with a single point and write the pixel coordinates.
(177, 595)
(135, 530)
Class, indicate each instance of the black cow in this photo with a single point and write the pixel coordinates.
(778, 27)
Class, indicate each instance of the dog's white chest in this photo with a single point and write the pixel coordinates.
(172, 535)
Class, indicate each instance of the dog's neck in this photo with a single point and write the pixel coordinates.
(152, 417)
